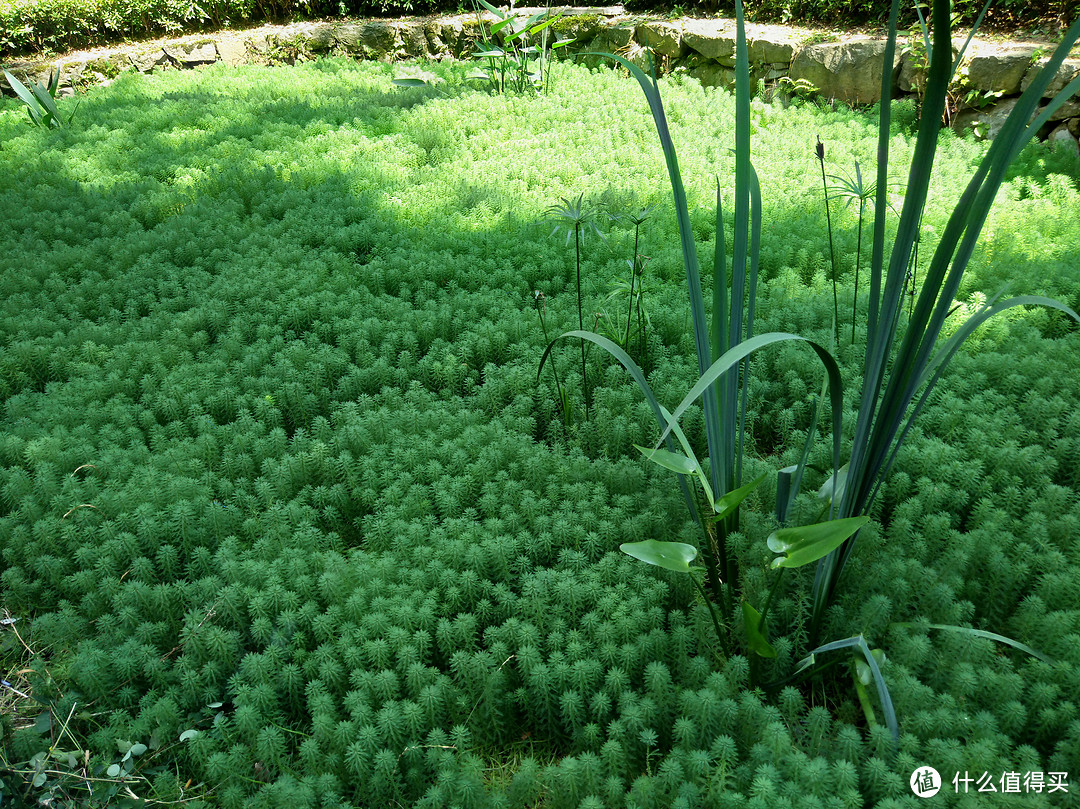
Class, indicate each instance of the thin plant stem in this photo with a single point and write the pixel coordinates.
(564, 400)
(832, 250)
(720, 636)
(633, 273)
(580, 315)
(858, 261)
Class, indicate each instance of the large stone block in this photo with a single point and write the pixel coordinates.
(413, 38)
(848, 71)
(191, 54)
(232, 52)
(713, 39)
(771, 44)
(663, 36)
(714, 74)
(1068, 71)
(998, 70)
(320, 38)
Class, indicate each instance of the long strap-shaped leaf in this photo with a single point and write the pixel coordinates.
(733, 356)
(942, 279)
(933, 371)
(881, 429)
(690, 260)
(859, 642)
(880, 338)
(661, 414)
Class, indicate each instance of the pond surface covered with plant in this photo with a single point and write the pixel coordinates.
(291, 510)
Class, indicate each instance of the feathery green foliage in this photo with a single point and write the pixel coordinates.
(298, 389)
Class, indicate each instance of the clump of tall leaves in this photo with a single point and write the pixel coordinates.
(904, 357)
(40, 100)
(514, 49)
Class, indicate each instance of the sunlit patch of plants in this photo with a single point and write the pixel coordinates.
(290, 502)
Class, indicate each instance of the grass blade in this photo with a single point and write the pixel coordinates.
(981, 633)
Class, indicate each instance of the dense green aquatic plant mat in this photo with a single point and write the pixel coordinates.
(286, 317)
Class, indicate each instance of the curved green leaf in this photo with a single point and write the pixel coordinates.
(727, 504)
(675, 556)
(672, 461)
(859, 642)
(981, 633)
(756, 632)
(804, 544)
(663, 418)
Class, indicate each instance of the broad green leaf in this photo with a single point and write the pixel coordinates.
(727, 504)
(562, 43)
(409, 82)
(113, 771)
(498, 12)
(756, 637)
(808, 543)
(21, 91)
(492, 54)
(672, 461)
(675, 556)
(39, 779)
(549, 21)
(191, 733)
(501, 24)
(47, 103)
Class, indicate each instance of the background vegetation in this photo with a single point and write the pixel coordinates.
(30, 26)
(277, 469)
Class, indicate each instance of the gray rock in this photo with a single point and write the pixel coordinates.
(1070, 109)
(414, 41)
(190, 55)
(447, 37)
(713, 39)
(1074, 126)
(1062, 138)
(663, 36)
(771, 44)
(714, 74)
(846, 71)
(381, 40)
(1068, 71)
(613, 38)
(232, 52)
(1000, 70)
(349, 36)
(320, 38)
(988, 121)
(146, 62)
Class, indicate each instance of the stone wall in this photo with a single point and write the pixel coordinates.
(846, 69)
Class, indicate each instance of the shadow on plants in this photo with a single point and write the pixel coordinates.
(903, 361)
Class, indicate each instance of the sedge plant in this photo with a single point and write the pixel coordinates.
(903, 360)
(723, 343)
(577, 218)
(904, 357)
(859, 193)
